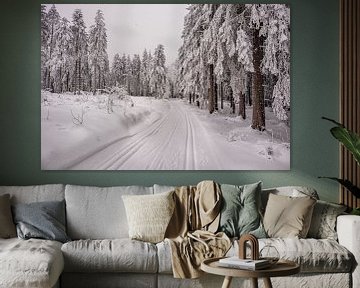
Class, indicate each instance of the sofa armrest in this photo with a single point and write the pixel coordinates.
(348, 230)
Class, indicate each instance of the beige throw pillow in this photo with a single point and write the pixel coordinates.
(288, 217)
(7, 226)
(149, 215)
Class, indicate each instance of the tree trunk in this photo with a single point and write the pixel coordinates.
(258, 121)
(99, 83)
(211, 97)
(48, 85)
(249, 89)
(216, 106)
(242, 111)
(222, 95)
(67, 81)
(79, 77)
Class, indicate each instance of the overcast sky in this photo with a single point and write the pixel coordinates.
(133, 27)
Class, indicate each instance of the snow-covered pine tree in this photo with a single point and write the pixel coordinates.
(122, 68)
(61, 59)
(276, 60)
(44, 36)
(272, 23)
(79, 53)
(144, 74)
(127, 73)
(135, 71)
(158, 73)
(235, 54)
(192, 79)
(98, 57)
(150, 66)
(208, 48)
(52, 21)
(116, 71)
(171, 79)
(258, 117)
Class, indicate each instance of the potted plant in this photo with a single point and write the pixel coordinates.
(351, 141)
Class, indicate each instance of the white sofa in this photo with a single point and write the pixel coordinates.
(101, 254)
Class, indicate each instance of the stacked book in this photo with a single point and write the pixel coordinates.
(248, 264)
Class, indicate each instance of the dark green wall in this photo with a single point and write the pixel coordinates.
(314, 93)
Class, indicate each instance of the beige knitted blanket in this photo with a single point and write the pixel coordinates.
(191, 231)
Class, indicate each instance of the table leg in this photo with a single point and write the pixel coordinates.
(254, 282)
(227, 282)
(267, 283)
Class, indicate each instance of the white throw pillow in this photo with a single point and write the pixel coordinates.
(149, 215)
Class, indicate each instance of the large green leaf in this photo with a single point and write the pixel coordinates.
(348, 185)
(349, 139)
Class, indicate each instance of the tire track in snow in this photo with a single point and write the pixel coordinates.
(176, 141)
(132, 146)
(190, 143)
(126, 148)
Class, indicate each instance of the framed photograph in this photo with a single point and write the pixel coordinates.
(165, 87)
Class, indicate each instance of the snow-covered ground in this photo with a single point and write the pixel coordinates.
(142, 133)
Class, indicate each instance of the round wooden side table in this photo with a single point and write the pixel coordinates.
(281, 268)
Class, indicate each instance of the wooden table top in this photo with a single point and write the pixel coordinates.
(281, 268)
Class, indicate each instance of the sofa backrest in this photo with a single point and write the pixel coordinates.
(36, 193)
(98, 212)
(162, 188)
(293, 191)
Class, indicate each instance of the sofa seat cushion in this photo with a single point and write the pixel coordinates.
(110, 255)
(313, 255)
(30, 263)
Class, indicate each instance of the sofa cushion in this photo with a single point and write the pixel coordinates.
(98, 213)
(109, 280)
(164, 257)
(36, 193)
(30, 263)
(149, 215)
(323, 222)
(240, 210)
(7, 226)
(43, 220)
(287, 216)
(313, 255)
(117, 255)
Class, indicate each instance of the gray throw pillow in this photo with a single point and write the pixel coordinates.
(7, 226)
(43, 220)
(323, 222)
(240, 213)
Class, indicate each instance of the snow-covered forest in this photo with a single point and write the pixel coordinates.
(74, 59)
(238, 52)
(233, 63)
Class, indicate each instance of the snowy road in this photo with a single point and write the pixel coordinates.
(177, 140)
(154, 135)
